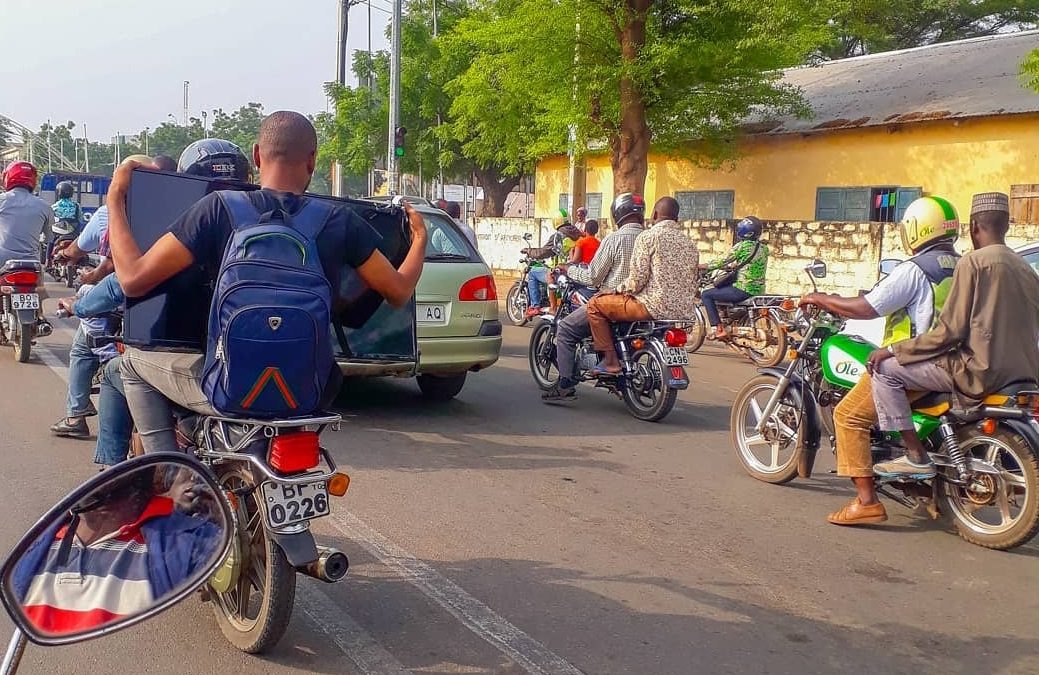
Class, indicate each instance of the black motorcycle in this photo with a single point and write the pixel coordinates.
(652, 355)
(518, 299)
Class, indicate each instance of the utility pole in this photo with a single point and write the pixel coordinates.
(341, 68)
(86, 149)
(440, 163)
(146, 150)
(186, 83)
(392, 163)
(576, 168)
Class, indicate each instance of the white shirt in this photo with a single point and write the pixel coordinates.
(907, 287)
(90, 238)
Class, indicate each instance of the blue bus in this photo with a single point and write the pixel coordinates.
(90, 189)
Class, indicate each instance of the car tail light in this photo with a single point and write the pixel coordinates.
(675, 337)
(294, 452)
(21, 279)
(480, 288)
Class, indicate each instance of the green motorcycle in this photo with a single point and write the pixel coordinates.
(987, 456)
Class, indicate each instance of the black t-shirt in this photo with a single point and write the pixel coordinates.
(205, 228)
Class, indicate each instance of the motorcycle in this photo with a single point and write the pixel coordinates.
(652, 356)
(167, 504)
(60, 270)
(20, 306)
(518, 298)
(987, 456)
(756, 326)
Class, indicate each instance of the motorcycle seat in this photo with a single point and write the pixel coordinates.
(938, 403)
(19, 265)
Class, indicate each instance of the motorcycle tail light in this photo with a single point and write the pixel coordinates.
(338, 484)
(638, 343)
(480, 288)
(988, 426)
(675, 337)
(22, 278)
(294, 452)
(788, 305)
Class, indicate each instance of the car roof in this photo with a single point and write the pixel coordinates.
(1028, 248)
(414, 199)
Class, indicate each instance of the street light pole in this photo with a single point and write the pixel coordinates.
(392, 164)
(341, 58)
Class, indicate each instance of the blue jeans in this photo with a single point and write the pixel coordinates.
(83, 364)
(536, 277)
(114, 422)
(712, 296)
(569, 333)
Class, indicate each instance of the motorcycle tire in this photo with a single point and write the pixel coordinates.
(648, 380)
(516, 303)
(266, 575)
(968, 510)
(775, 352)
(22, 344)
(70, 276)
(542, 356)
(696, 331)
(759, 390)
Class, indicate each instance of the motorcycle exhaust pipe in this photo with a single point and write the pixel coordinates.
(330, 566)
(43, 329)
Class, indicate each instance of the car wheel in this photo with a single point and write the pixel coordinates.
(441, 387)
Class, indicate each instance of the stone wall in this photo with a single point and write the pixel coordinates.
(851, 251)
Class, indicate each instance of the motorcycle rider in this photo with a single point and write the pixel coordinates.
(911, 297)
(23, 215)
(285, 155)
(609, 267)
(749, 259)
(557, 248)
(987, 336)
(68, 215)
(660, 285)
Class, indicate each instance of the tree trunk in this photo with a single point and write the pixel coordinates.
(495, 190)
(630, 156)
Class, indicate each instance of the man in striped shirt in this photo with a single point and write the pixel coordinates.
(607, 270)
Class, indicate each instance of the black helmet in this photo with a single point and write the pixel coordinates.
(214, 158)
(64, 190)
(626, 207)
(749, 228)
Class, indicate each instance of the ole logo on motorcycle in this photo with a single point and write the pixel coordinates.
(849, 368)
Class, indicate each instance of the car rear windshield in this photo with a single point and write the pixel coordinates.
(447, 243)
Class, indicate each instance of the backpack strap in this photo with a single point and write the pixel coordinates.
(240, 207)
(312, 218)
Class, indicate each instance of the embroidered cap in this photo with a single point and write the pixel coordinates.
(990, 201)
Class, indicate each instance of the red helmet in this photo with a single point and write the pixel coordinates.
(20, 174)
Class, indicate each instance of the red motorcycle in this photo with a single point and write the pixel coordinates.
(20, 321)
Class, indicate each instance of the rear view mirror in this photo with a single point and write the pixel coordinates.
(528, 236)
(888, 265)
(817, 269)
(124, 546)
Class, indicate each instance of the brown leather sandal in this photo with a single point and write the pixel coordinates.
(855, 513)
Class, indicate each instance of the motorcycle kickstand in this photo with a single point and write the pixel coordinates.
(920, 506)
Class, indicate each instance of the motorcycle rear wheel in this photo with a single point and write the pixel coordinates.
(645, 393)
(782, 434)
(696, 331)
(775, 349)
(985, 516)
(516, 303)
(22, 342)
(542, 356)
(266, 579)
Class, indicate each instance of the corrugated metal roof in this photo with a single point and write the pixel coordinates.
(968, 78)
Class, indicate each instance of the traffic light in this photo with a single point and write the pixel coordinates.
(398, 141)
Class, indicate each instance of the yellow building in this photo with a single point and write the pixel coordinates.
(951, 119)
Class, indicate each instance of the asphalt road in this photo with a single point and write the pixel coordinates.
(495, 534)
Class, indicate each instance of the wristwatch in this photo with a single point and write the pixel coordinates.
(891, 349)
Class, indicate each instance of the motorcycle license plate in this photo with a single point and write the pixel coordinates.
(676, 356)
(289, 504)
(25, 301)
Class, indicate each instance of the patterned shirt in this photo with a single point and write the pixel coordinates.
(611, 262)
(751, 277)
(664, 272)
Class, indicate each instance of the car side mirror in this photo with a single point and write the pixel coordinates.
(817, 269)
(124, 546)
(888, 265)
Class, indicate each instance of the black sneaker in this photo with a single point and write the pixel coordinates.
(78, 430)
(559, 394)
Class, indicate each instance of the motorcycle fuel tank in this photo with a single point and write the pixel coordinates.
(844, 359)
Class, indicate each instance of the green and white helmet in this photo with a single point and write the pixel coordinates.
(927, 221)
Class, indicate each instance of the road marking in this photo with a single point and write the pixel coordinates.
(487, 624)
(50, 359)
(347, 634)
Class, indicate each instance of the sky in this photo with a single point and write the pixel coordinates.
(120, 65)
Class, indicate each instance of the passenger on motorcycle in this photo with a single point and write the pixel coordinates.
(747, 262)
(660, 285)
(84, 360)
(68, 216)
(607, 270)
(987, 336)
(285, 155)
(23, 215)
(911, 297)
(558, 249)
(584, 248)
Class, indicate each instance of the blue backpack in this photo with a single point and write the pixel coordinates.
(269, 351)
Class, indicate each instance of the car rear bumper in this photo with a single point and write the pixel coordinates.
(458, 354)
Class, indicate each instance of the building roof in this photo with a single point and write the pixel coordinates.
(967, 78)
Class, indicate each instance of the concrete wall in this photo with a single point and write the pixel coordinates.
(776, 177)
(852, 251)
